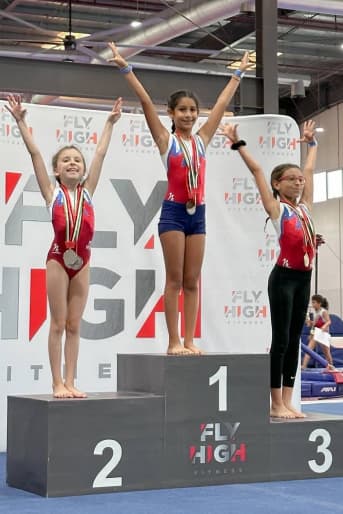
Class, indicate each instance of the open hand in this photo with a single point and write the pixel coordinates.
(117, 58)
(15, 107)
(308, 132)
(116, 111)
(230, 131)
(245, 62)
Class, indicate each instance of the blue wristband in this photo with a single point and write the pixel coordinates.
(312, 143)
(239, 74)
(126, 69)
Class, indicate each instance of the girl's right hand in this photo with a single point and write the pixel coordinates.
(15, 107)
(117, 58)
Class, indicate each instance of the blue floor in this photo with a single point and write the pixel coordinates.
(334, 406)
(293, 497)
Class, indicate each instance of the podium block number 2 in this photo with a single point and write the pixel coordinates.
(102, 479)
(221, 377)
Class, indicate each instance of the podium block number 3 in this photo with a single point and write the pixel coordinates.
(102, 479)
(221, 377)
(322, 449)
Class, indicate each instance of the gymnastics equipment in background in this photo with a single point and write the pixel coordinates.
(320, 382)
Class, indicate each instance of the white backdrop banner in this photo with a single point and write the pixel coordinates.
(124, 313)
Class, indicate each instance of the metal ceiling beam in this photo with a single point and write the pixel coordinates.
(105, 82)
(266, 55)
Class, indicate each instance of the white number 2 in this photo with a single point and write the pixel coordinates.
(221, 377)
(102, 480)
(323, 449)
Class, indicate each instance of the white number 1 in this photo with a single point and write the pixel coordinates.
(221, 377)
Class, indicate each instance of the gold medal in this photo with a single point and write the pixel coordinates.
(191, 207)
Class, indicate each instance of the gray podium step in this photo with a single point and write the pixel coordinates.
(174, 422)
(216, 416)
(307, 448)
(106, 442)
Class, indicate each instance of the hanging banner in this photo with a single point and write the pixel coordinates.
(124, 312)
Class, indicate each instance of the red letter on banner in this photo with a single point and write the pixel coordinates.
(37, 300)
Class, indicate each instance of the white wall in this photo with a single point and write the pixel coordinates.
(328, 215)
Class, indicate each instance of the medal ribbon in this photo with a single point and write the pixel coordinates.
(193, 165)
(306, 226)
(73, 216)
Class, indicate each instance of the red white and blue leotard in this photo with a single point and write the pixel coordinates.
(58, 219)
(177, 171)
(291, 238)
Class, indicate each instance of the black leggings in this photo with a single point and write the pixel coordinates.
(289, 294)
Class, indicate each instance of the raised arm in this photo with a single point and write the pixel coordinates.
(270, 204)
(310, 163)
(158, 131)
(100, 152)
(209, 128)
(18, 112)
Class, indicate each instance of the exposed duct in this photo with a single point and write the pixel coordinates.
(202, 15)
(205, 13)
(334, 7)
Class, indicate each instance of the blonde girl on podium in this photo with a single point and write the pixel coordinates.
(67, 267)
(288, 203)
(182, 222)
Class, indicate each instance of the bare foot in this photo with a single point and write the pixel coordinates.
(296, 412)
(75, 392)
(60, 391)
(177, 349)
(194, 349)
(281, 412)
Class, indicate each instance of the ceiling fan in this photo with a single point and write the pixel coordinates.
(69, 42)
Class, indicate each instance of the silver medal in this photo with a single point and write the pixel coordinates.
(72, 260)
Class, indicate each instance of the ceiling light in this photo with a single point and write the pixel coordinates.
(135, 24)
(320, 129)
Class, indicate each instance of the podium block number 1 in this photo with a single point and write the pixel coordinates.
(102, 479)
(221, 377)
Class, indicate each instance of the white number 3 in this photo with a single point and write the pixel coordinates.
(323, 449)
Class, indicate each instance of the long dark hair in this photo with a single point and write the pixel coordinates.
(176, 97)
(321, 300)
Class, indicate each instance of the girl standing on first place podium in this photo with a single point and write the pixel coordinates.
(288, 204)
(182, 222)
(67, 265)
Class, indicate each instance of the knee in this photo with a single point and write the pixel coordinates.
(174, 282)
(191, 284)
(72, 327)
(57, 327)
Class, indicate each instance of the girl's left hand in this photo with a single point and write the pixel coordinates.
(308, 132)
